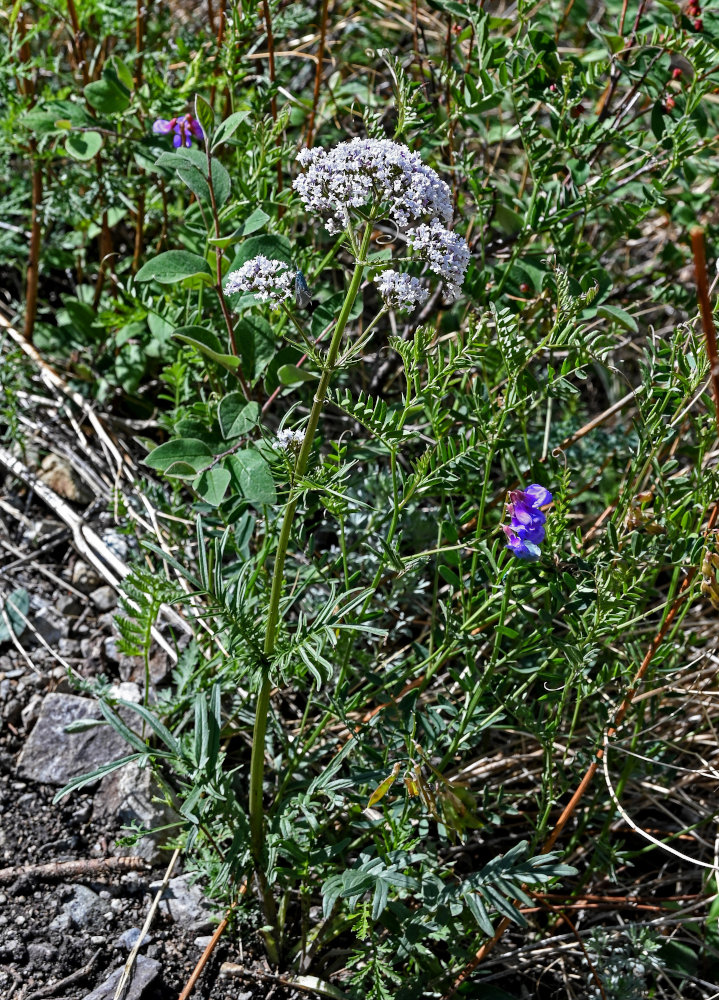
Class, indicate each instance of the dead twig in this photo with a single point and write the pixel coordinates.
(60, 871)
(126, 976)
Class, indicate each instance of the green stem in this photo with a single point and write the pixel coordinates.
(257, 825)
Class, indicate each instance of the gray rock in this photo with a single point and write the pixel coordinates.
(115, 542)
(76, 910)
(11, 711)
(52, 756)
(186, 904)
(146, 972)
(131, 796)
(31, 711)
(84, 577)
(47, 624)
(68, 604)
(104, 598)
(128, 939)
(40, 953)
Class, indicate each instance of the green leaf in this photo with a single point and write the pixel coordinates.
(236, 415)
(221, 183)
(99, 772)
(205, 116)
(272, 246)
(290, 375)
(253, 476)
(208, 344)
(256, 344)
(17, 605)
(189, 172)
(657, 120)
(122, 72)
(175, 266)
(180, 457)
(256, 220)
(107, 96)
(83, 145)
(621, 317)
(212, 484)
(228, 127)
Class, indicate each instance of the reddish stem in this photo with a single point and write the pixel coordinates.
(318, 72)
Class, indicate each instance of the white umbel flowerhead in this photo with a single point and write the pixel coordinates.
(290, 440)
(400, 291)
(446, 253)
(365, 172)
(271, 280)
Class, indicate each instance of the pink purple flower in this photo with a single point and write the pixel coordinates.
(525, 531)
(184, 128)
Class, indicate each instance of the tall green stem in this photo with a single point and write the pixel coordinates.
(257, 826)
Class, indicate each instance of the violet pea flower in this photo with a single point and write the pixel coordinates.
(185, 128)
(525, 531)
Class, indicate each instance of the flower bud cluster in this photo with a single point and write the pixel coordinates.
(525, 532)
(290, 440)
(271, 280)
(710, 585)
(446, 253)
(401, 291)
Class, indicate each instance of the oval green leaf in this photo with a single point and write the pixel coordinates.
(174, 266)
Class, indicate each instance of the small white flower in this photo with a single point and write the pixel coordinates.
(401, 291)
(290, 440)
(271, 280)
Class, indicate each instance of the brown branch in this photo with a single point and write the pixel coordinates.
(318, 72)
(74, 977)
(273, 99)
(59, 871)
(710, 336)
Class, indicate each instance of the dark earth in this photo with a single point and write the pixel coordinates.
(64, 932)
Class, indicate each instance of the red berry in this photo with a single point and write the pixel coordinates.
(676, 73)
(698, 25)
(576, 111)
(669, 104)
(524, 288)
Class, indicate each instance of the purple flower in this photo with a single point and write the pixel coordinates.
(184, 128)
(525, 532)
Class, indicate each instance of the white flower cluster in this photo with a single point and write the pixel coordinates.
(365, 172)
(446, 253)
(400, 291)
(290, 440)
(357, 173)
(271, 280)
